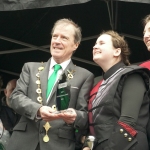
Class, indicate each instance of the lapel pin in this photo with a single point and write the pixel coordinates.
(70, 74)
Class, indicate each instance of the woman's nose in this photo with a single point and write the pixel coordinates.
(95, 46)
(147, 34)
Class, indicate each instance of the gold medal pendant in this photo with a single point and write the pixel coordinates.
(46, 138)
(47, 126)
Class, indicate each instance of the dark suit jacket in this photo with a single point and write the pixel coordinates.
(28, 133)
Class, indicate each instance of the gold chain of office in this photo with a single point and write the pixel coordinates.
(47, 125)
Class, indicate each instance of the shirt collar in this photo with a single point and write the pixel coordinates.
(63, 65)
(113, 69)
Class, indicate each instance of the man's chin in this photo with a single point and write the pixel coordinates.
(57, 56)
(148, 48)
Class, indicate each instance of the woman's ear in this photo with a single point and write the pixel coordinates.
(117, 52)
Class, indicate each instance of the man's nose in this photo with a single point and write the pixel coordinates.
(58, 39)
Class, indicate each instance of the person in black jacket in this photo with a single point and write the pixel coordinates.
(146, 38)
(146, 64)
(119, 109)
(8, 116)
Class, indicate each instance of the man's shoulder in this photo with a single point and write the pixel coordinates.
(33, 65)
(3, 106)
(83, 70)
(3, 101)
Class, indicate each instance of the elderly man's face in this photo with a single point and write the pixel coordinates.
(62, 43)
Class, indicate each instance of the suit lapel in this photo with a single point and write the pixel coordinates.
(44, 80)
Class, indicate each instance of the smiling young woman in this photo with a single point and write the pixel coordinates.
(113, 120)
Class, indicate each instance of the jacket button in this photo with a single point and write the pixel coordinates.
(129, 139)
(121, 130)
(125, 135)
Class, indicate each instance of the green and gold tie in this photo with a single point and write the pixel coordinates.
(52, 79)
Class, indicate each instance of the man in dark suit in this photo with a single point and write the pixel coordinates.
(51, 121)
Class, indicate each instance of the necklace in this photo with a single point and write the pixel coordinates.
(47, 125)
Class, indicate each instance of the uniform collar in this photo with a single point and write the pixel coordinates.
(113, 69)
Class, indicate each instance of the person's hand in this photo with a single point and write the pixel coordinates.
(47, 113)
(68, 115)
(86, 148)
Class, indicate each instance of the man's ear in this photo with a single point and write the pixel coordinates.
(5, 92)
(117, 51)
(76, 46)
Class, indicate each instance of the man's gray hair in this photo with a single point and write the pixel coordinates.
(77, 29)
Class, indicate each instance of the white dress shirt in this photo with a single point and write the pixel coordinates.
(51, 70)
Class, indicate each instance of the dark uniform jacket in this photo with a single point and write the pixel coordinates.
(108, 109)
(147, 65)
